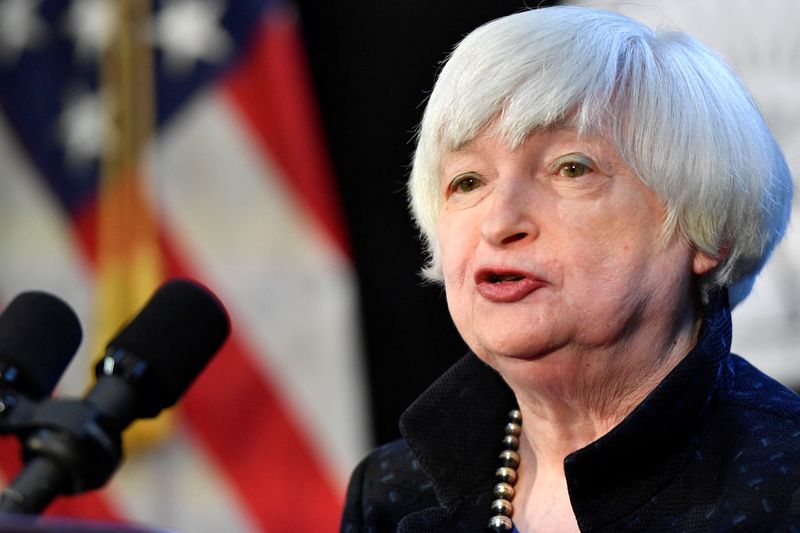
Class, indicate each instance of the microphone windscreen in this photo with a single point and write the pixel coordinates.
(39, 334)
(176, 333)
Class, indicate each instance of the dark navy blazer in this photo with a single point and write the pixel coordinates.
(715, 447)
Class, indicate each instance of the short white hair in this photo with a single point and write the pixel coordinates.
(675, 110)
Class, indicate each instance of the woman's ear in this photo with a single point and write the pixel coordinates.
(702, 263)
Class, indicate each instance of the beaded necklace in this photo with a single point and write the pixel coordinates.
(507, 475)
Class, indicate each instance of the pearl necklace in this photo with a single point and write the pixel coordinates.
(507, 475)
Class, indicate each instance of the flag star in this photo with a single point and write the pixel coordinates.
(81, 128)
(20, 28)
(91, 25)
(189, 31)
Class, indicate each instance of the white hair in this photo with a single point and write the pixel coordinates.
(674, 109)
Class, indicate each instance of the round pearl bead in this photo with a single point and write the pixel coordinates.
(503, 507)
(511, 442)
(513, 428)
(509, 458)
(504, 490)
(507, 475)
(501, 523)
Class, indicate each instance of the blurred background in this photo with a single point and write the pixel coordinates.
(262, 147)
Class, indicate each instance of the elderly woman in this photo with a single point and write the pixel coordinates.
(595, 197)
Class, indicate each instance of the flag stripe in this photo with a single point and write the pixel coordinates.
(269, 461)
(272, 90)
(180, 485)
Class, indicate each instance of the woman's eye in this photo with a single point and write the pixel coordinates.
(464, 184)
(572, 169)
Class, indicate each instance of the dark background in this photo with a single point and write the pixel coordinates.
(373, 63)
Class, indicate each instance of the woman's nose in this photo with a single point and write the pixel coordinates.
(510, 216)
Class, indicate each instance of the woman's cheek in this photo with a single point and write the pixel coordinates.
(457, 249)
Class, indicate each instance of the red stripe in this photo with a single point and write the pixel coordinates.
(272, 90)
(245, 426)
(252, 437)
(84, 228)
(95, 505)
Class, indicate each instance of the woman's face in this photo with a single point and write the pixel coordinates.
(555, 246)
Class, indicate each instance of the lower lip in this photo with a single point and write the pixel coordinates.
(509, 291)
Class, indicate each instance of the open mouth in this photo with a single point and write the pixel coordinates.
(506, 285)
(500, 278)
(500, 275)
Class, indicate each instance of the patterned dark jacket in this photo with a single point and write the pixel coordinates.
(715, 447)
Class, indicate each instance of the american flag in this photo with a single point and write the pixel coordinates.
(143, 140)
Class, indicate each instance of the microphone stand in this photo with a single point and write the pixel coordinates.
(69, 446)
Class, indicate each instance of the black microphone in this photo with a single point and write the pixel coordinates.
(76, 444)
(152, 361)
(39, 334)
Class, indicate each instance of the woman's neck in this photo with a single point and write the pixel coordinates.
(588, 391)
(564, 415)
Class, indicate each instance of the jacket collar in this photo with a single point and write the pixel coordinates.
(455, 428)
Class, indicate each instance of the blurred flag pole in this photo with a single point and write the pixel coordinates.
(129, 263)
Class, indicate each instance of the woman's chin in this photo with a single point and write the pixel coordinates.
(518, 333)
(526, 350)
(540, 372)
